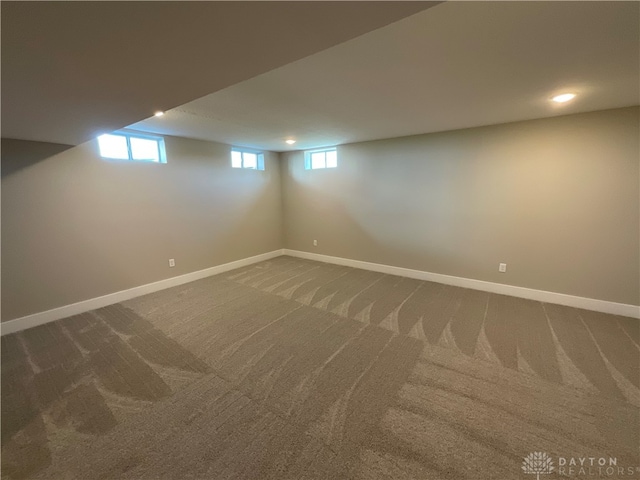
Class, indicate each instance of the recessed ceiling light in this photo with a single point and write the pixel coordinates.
(158, 114)
(565, 97)
(290, 141)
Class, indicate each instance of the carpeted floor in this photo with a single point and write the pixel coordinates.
(293, 369)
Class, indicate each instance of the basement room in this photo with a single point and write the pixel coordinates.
(367, 240)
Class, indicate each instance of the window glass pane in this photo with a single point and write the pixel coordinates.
(113, 146)
(332, 159)
(250, 160)
(317, 160)
(260, 161)
(236, 159)
(144, 149)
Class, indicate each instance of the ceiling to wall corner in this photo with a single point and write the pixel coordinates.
(72, 70)
(457, 65)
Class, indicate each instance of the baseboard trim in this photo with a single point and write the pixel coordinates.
(531, 294)
(22, 323)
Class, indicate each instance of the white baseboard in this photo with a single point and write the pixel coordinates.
(40, 318)
(540, 295)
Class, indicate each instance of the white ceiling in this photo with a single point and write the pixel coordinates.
(456, 65)
(72, 70)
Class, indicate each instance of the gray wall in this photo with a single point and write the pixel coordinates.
(556, 199)
(75, 226)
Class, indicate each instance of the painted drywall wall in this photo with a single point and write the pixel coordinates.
(76, 226)
(557, 200)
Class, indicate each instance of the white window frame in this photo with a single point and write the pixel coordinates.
(242, 151)
(308, 153)
(162, 154)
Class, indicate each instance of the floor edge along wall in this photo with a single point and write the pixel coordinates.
(54, 314)
(40, 318)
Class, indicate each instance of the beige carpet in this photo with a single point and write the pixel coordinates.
(293, 369)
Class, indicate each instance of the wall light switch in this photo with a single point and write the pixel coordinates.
(315, 243)
(172, 262)
(502, 267)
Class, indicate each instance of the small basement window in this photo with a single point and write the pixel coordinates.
(132, 147)
(241, 158)
(324, 158)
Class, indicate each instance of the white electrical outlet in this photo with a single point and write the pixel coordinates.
(172, 262)
(502, 267)
(315, 243)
